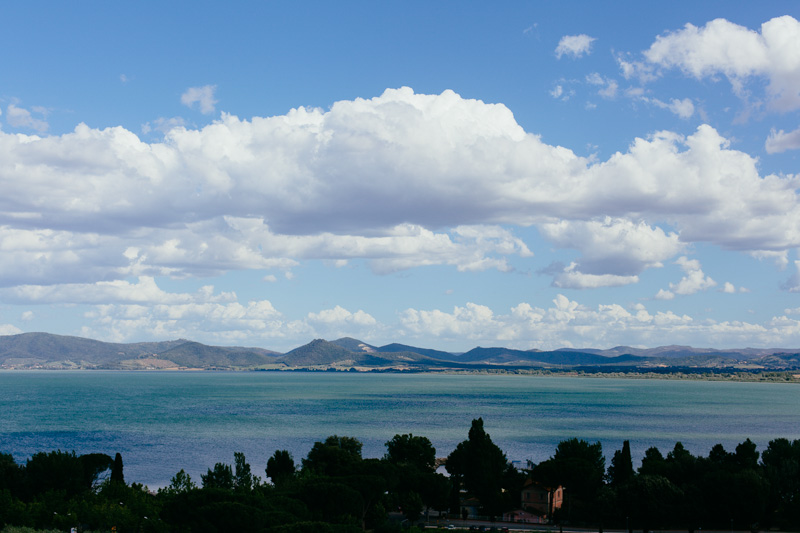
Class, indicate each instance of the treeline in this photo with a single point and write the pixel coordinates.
(334, 489)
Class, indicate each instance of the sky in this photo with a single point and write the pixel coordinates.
(443, 174)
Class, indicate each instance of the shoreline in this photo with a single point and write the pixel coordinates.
(699, 374)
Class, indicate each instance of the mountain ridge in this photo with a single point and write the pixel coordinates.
(47, 350)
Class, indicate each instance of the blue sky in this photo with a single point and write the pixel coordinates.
(442, 174)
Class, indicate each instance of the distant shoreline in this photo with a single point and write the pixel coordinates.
(699, 374)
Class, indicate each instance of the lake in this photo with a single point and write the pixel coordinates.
(164, 421)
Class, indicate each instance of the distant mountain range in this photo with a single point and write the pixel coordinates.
(45, 350)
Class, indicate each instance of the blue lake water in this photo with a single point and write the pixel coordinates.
(164, 421)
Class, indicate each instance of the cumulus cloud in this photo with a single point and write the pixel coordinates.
(201, 97)
(574, 45)
(9, 329)
(738, 53)
(693, 281)
(728, 288)
(19, 117)
(400, 180)
(568, 323)
(781, 141)
(614, 245)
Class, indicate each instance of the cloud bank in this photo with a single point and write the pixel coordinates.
(400, 180)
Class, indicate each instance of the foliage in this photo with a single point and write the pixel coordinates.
(179, 484)
(411, 451)
(621, 469)
(338, 491)
(335, 457)
(483, 469)
(117, 475)
(243, 479)
(221, 477)
(280, 467)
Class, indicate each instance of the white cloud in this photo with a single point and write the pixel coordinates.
(608, 87)
(203, 97)
(456, 177)
(738, 53)
(574, 45)
(27, 316)
(340, 316)
(728, 288)
(683, 108)
(781, 141)
(665, 295)
(144, 291)
(23, 118)
(694, 281)
(8, 329)
(567, 323)
(163, 124)
(781, 258)
(614, 246)
(572, 278)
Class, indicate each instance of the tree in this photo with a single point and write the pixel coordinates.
(94, 465)
(56, 471)
(179, 484)
(781, 464)
(653, 463)
(621, 469)
(280, 467)
(10, 474)
(221, 477)
(577, 465)
(482, 467)
(408, 450)
(243, 479)
(116, 470)
(411, 504)
(337, 456)
(746, 455)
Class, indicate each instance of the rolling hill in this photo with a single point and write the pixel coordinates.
(45, 350)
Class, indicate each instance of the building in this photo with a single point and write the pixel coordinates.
(540, 500)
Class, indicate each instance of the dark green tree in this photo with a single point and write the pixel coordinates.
(483, 469)
(56, 471)
(781, 465)
(117, 475)
(408, 450)
(280, 467)
(580, 468)
(10, 474)
(577, 465)
(243, 479)
(221, 477)
(180, 483)
(653, 463)
(337, 456)
(746, 455)
(621, 469)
